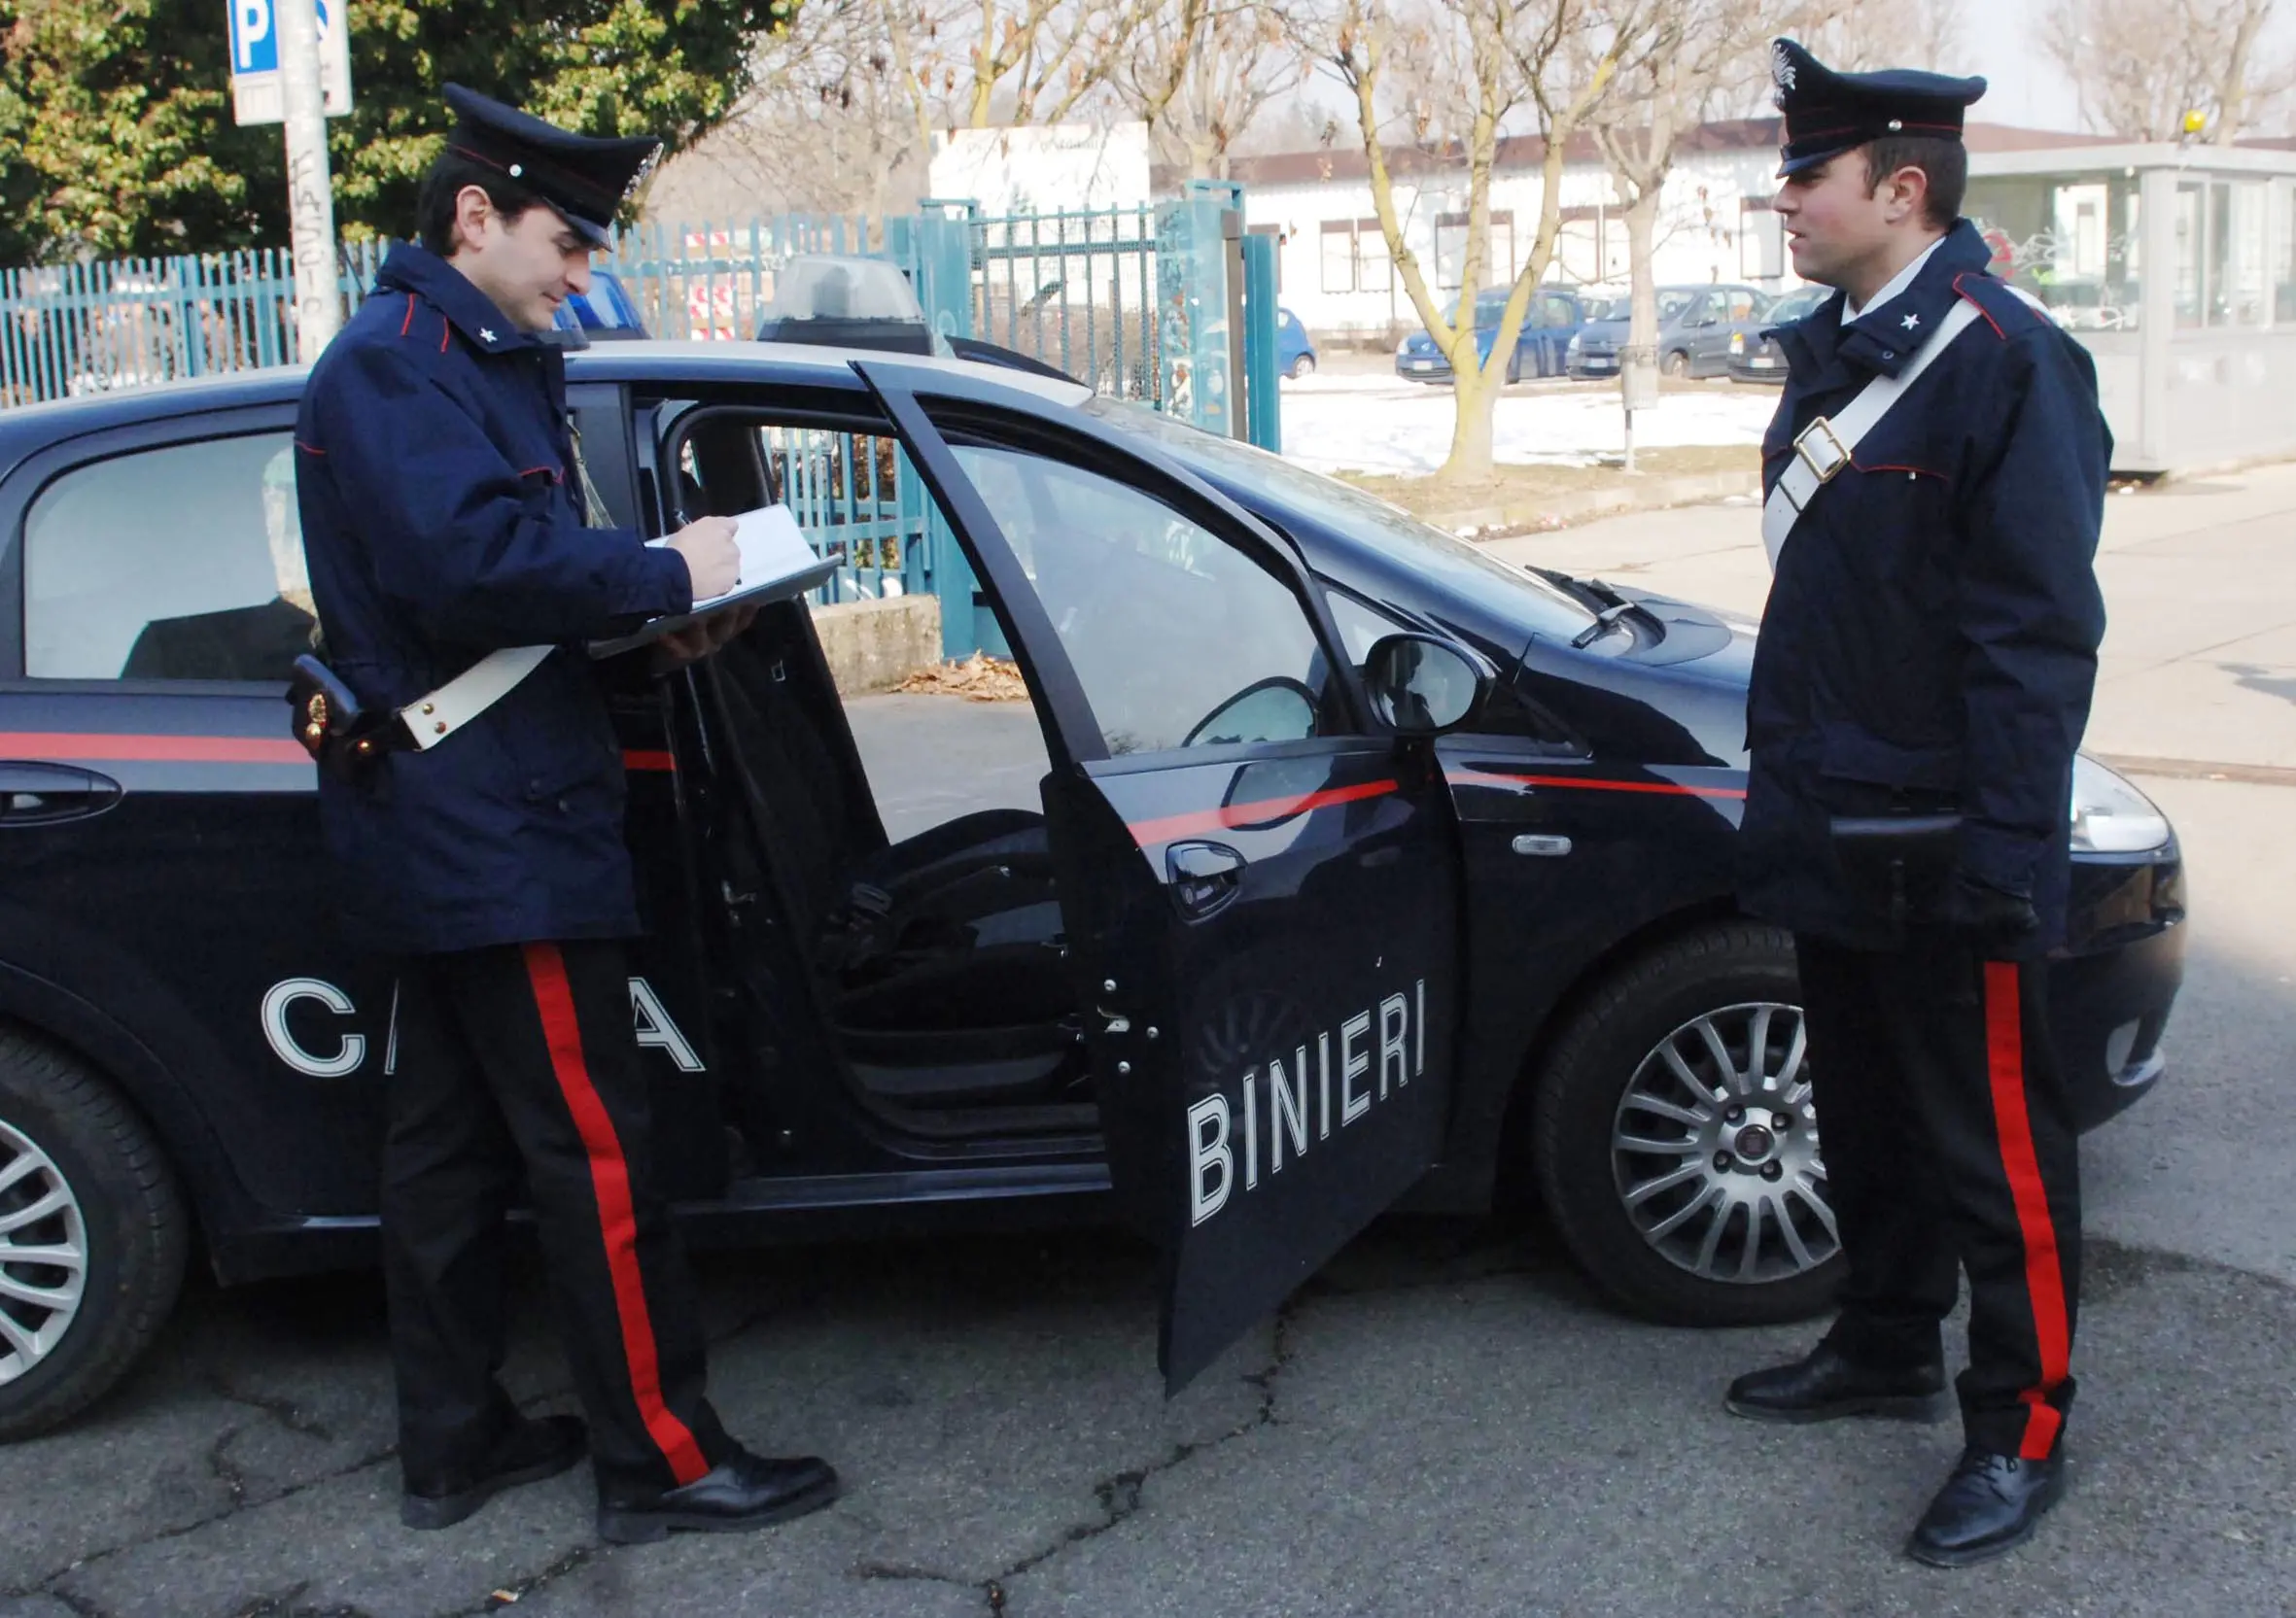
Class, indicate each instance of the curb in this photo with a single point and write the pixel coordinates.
(1558, 511)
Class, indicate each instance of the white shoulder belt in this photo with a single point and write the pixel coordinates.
(1824, 447)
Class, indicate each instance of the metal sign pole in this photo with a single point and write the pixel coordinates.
(310, 188)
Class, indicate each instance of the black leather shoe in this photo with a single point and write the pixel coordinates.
(1822, 1385)
(1990, 1505)
(527, 1453)
(742, 1492)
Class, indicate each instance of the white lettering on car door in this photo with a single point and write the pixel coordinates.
(1212, 1170)
(655, 1029)
(348, 1055)
(1208, 1152)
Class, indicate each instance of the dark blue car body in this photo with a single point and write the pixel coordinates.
(1451, 913)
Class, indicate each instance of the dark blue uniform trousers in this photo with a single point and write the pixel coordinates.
(1949, 1146)
(524, 1057)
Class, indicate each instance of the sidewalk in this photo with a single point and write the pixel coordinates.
(2199, 662)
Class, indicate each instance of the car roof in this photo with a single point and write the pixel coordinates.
(26, 428)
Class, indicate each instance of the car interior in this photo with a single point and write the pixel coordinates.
(939, 962)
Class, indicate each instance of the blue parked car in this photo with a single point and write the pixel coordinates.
(1553, 320)
(1295, 355)
(605, 311)
(1695, 325)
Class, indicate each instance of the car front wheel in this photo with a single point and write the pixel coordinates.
(1675, 1142)
(1677, 364)
(1302, 365)
(93, 1236)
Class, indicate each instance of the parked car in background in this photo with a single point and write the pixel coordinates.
(1695, 324)
(1756, 358)
(1295, 355)
(1554, 318)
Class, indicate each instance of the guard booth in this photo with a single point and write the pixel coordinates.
(2176, 266)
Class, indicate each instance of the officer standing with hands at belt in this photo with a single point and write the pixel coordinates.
(1919, 690)
(443, 519)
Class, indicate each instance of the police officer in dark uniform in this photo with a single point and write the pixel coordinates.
(1919, 690)
(443, 520)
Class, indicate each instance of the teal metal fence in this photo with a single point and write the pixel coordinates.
(1128, 301)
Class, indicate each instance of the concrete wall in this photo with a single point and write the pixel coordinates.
(873, 646)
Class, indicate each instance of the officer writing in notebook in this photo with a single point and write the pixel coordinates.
(443, 520)
(1926, 657)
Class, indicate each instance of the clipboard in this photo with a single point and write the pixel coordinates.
(777, 565)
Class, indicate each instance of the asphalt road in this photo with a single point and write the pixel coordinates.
(1444, 1420)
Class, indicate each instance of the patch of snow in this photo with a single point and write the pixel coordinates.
(1401, 428)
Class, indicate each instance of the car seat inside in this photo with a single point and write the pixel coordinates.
(940, 959)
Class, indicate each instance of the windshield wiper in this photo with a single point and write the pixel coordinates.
(1609, 602)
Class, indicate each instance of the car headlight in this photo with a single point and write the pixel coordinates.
(2110, 815)
(1737, 342)
(1577, 346)
(1402, 348)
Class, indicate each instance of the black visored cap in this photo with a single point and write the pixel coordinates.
(1828, 113)
(584, 177)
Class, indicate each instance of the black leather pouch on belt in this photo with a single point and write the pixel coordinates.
(340, 734)
(1898, 864)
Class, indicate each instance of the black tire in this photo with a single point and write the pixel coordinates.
(133, 1230)
(1677, 364)
(1577, 1104)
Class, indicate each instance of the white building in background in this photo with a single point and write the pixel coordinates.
(1714, 221)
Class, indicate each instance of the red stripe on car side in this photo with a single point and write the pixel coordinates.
(1580, 783)
(610, 1181)
(647, 759)
(1171, 827)
(2044, 1280)
(151, 749)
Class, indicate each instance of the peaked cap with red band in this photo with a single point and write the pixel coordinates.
(1828, 113)
(584, 177)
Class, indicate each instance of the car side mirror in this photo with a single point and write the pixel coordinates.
(1423, 685)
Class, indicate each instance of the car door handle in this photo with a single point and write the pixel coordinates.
(1540, 846)
(1205, 875)
(42, 794)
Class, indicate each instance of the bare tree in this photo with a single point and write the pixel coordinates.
(1691, 58)
(2143, 67)
(1480, 63)
(828, 122)
(974, 64)
(1905, 33)
(1199, 72)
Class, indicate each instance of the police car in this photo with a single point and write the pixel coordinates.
(1366, 872)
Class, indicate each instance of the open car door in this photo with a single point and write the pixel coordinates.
(1260, 884)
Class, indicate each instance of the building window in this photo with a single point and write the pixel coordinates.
(1374, 270)
(1761, 240)
(1450, 251)
(2073, 242)
(1338, 255)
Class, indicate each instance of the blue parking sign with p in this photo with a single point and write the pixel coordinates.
(254, 59)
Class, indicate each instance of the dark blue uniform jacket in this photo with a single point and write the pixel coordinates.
(1931, 638)
(442, 520)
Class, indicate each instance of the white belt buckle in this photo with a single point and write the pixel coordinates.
(1839, 456)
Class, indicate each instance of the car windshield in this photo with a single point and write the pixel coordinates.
(1795, 306)
(1672, 301)
(1609, 309)
(1465, 569)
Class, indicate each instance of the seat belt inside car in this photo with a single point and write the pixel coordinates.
(431, 720)
(1824, 447)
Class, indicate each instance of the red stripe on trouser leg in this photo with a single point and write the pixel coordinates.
(2044, 1280)
(609, 1180)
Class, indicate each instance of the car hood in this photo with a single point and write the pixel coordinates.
(1604, 331)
